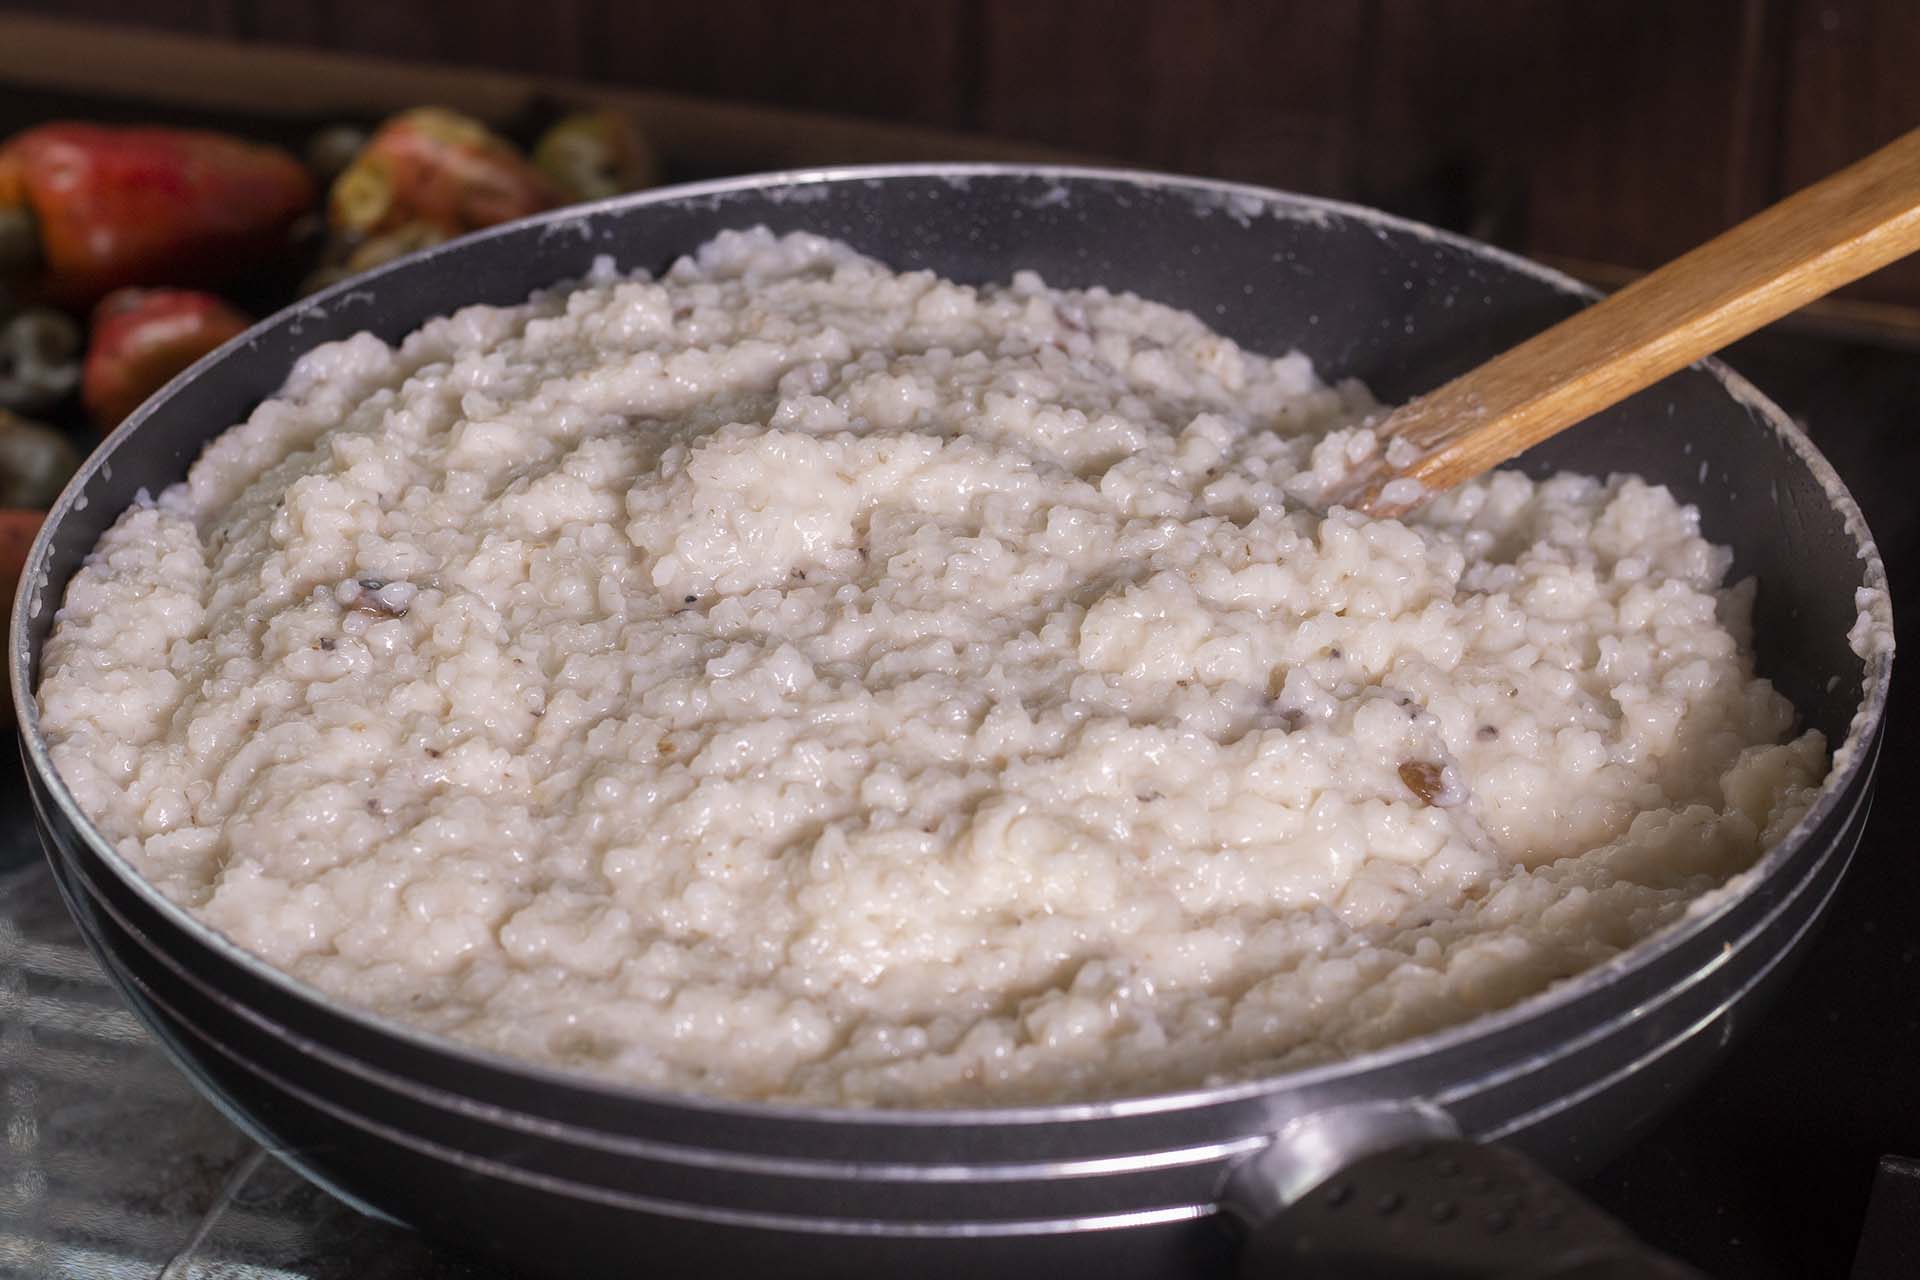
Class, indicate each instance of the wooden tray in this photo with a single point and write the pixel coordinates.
(56, 67)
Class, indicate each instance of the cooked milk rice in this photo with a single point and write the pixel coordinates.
(791, 679)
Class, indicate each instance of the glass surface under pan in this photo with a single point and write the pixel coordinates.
(113, 1168)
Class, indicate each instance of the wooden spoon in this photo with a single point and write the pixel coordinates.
(1809, 244)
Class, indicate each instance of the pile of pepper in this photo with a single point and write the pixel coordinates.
(116, 244)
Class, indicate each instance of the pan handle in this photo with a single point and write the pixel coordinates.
(1419, 1202)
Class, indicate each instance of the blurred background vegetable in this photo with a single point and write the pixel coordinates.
(17, 528)
(35, 462)
(591, 155)
(129, 227)
(142, 338)
(39, 360)
(332, 149)
(86, 209)
(438, 168)
(348, 257)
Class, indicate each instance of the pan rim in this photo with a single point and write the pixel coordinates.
(1852, 760)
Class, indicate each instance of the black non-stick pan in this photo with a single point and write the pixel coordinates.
(1423, 1159)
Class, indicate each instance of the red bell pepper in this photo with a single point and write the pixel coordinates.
(86, 209)
(17, 530)
(437, 168)
(141, 338)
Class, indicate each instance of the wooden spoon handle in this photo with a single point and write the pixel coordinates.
(1809, 244)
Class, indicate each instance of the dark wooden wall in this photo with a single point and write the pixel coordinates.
(1612, 131)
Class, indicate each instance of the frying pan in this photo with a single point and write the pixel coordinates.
(1382, 1164)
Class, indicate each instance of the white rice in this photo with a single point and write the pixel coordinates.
(790, 679)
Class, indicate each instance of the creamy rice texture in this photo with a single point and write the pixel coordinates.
(791, 679)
